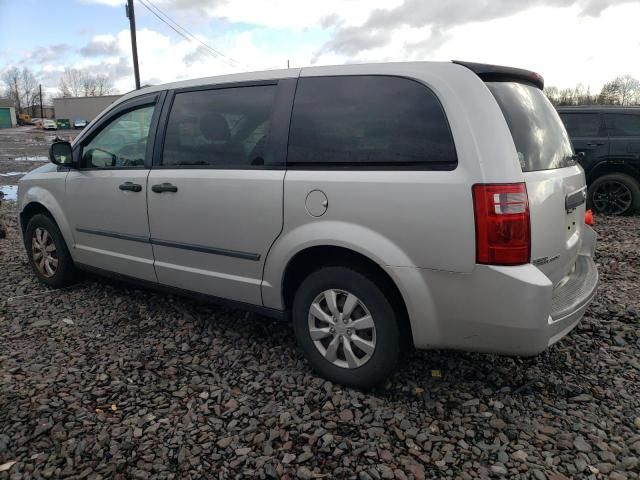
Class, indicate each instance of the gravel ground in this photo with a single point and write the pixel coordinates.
(103, 380)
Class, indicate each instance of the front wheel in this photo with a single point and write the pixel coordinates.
(47, 251)
(614, 194)
(346, 327)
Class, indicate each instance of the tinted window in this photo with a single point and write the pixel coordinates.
(623, 125)
(225, 127)
(121, 143)
(582, 124)
(538, 133)
(369, 121)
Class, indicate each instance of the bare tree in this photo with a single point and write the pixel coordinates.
(71, 83)
(103, 85)
(629, 88)
(77, 83)
(30, 90)
(610, 93)
(12, 79)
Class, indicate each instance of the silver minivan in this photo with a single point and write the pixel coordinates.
(377, 207)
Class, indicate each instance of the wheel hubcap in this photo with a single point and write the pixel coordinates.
(44, 253)
(612, 198)
(342, 329)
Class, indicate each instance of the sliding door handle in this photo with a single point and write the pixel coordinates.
(164, 187)
(130, 187)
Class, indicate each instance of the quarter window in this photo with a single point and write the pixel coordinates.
(225, 127)
(582, 124)
(369, 121)
(122, 143)
(623, 125)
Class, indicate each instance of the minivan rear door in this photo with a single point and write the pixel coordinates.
(555, 182)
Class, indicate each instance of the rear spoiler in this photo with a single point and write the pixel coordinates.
(496, 73)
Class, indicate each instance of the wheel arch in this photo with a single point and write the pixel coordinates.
(607, 167)
(39, 200)
(315, 257)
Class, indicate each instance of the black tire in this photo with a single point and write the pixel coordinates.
(627, 184)
(65, 272)
(388, 336)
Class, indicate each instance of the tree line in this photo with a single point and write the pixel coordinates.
(624, 90)
(22, 87)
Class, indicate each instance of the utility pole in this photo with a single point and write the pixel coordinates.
(287, 63)
(131, 15)
(41, 114)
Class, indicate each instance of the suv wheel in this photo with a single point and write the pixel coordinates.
(614, 194)
(48, 253)
(346, 327)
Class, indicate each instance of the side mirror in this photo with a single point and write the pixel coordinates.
(60, 153)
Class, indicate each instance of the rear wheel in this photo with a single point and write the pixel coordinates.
(614, 194)
(48, 253)
(346, 327)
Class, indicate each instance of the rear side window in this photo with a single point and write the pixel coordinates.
(623, 125)
(369, 121)
(226, 127)
(582, 124)
(538, 133)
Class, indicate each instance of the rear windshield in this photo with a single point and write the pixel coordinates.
(538, 133)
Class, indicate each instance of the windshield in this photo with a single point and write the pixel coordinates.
(538, 133)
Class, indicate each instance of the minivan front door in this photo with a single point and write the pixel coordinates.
(107, 195)
(216, 193)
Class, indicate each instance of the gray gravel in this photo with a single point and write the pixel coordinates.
(103, 380)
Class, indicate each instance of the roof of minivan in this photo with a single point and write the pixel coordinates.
(482, 70)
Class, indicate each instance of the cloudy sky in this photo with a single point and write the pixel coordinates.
(567, 41)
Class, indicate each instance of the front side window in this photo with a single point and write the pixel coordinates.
(623, 125)
(122, 143)
(582, 124)
(226, 127)
(369, 121)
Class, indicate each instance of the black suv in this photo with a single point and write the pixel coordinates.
(608, 139)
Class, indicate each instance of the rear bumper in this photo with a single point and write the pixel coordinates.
(506, 310)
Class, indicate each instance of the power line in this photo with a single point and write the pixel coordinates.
(187, 35)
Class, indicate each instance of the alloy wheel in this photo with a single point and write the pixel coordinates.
(43, 251)
(612, 198)
(342, 328)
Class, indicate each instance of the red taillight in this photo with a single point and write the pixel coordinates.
(503, 235)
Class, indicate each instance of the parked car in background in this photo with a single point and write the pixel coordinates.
(79, 123)
(376, 206)
(608, 139)
(36, 121)
(49, 124)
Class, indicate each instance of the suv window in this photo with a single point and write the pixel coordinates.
(623, 125)
(226, 127)
(538, 133)
(582, 124)
(369, 121)
(121, 143)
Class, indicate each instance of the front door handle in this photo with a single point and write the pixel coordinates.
(164, 187)
(130, 187)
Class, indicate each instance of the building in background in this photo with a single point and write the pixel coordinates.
(85, 108)
(7, 113)
(34, 111)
